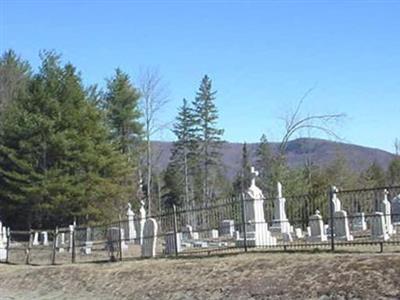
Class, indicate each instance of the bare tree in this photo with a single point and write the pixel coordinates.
(296, 123)
(154, 97)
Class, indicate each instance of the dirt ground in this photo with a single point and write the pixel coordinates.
(242, 276)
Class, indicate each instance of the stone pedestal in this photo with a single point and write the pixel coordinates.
(280, 223)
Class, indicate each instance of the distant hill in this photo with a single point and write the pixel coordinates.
(321, 152)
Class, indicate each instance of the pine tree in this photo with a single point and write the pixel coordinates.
(208, 135)
(55, 158)
(14, 76)
(265, 165)
(393, 173)
(122, 106)
(182, 158)
(243, 178)
(373, 176)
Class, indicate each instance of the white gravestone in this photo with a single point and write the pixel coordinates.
(149, 238)
(386, 210)
(71, 237)
(378, 228)
(214, 233)
(4, 234)
(45, 238)
(35, 238)
(336, 202)
(298, 233)
(87, 249)
(131, 224)
(396, 210)
(280, 223)
(124, 246)
(1, 231)
(227, 228)
(60, 242)
(341, 225)
(317, 231)
(187, 232)
(170, 242)
(257, 233)
(358, 222)
(308, 231)
(140, 224)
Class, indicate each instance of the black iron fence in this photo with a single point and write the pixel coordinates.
(333, 220)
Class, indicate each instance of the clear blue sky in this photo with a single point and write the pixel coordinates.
(261, 55)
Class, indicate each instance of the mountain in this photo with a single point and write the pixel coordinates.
(320, 152)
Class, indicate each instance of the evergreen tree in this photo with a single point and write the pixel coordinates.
(208, 136)
(182, 158)
(122, 106)
(55, 159)
(374, 176)
(14, 76)
(243, 178)
(393, 173)
(265, 164)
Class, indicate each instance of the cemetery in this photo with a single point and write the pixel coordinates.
(360, 218)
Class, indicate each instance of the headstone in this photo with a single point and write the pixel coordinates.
(336, 202)
(214, 233)
(378, 230)
(187, 232)
(280, 223)
(131, 224)
(170, 242)
(227, 228)
(317, 231)
(35, 238)
(195, 235)
(3, 251)
(298, 233)
(142, 221)
(60, 242)
(150, 231)
(396, 210)
(358, 222)
(1, 231)
(257, 233)
(45, 238)
(87, 249)
(71, 237)
(308, 231)
(386, 210)
(124, 246)
(4, 234)
(341, 225)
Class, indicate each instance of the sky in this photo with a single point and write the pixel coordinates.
(262, 57)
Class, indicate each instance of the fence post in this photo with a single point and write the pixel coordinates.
(120, 238)
(175, 231)
(244, 223)
(55, 236)
(8, 234)
(330, 197)
(73, 244)
(28, 248)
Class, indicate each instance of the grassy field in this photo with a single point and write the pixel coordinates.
(242, 276)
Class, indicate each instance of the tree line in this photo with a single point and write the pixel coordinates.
(68, 151)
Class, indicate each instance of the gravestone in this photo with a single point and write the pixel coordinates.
(35, 238)
(358, 222)
(187, 232)
(386, 210)
(378, 228)
(396, 210)
(170, 242)
(150, 231)
(131, 224)
(227, 228)
(45, 238)
(60, 242)
(341, 225)
(3, 251)
(87, 248)
(5, 234)
(124, 246)
(214, 233)
(280, 223)
(71, 237)
(308, 231)
(335, 200)
(317, 230)
(1, 231)
(298, 233)
(257, 233)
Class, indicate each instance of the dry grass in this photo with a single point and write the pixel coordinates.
(243, 276)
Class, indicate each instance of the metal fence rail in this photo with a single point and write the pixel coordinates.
(347, 219)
